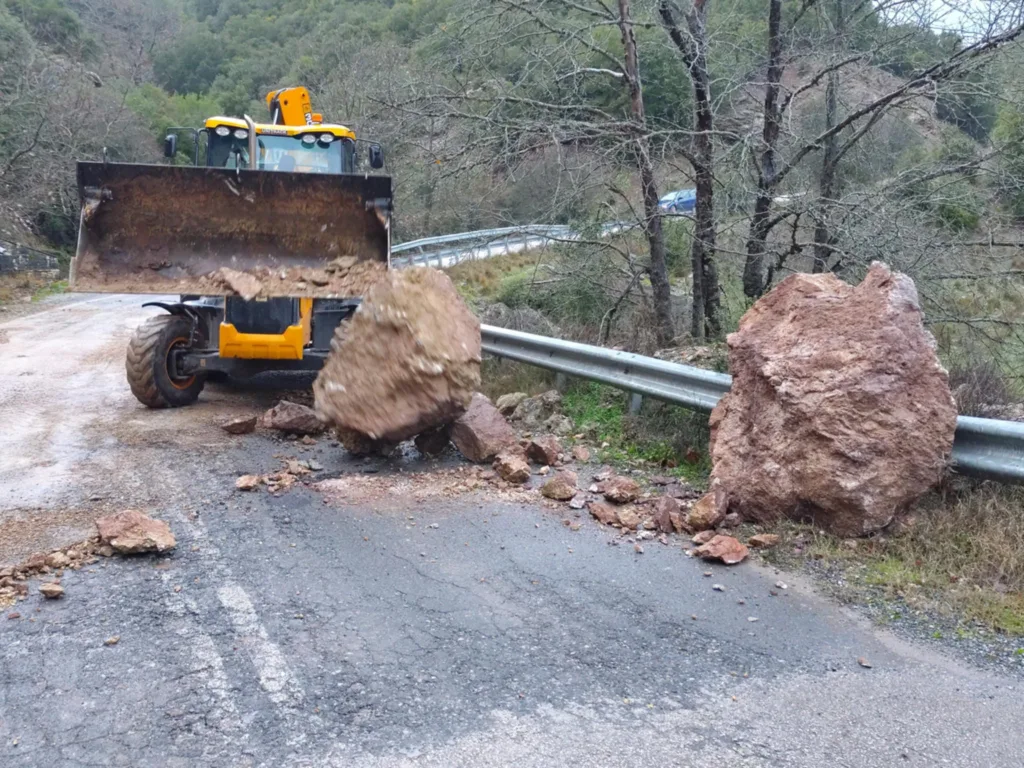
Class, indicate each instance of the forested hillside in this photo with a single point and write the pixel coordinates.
(819, 134)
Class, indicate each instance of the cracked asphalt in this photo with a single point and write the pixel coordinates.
(302, 630)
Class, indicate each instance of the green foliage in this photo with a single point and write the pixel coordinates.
(191, 64)
(957, 217)
(580, 300)
(163, 111)
(15, 42)
(1009, 137)
(53, 24)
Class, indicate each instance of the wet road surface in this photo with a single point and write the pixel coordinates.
(401, 628)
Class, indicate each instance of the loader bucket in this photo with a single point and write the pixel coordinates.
(174, 229)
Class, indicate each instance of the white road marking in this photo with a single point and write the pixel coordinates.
(275, 676)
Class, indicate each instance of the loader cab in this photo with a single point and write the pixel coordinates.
(314, 148)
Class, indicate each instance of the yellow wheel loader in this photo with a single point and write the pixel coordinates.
(250, 240)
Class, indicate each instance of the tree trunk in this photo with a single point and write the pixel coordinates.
(704, 318)
(652, 217)
(753, 269)
(823, 237)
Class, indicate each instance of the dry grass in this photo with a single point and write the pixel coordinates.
(499, 377)
(961, 553)
(482, 279)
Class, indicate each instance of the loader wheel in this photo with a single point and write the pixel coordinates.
(147, 363)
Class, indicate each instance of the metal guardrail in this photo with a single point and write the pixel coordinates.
(15, 257)
(986, 448)
(447, 250)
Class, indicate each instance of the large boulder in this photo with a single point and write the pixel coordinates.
(481, 433)
(839, 412)
(407, 361)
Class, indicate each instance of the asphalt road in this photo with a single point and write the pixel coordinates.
(396, 623)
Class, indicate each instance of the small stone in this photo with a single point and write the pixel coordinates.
(575, 526)
(248, 482)
(13, 615)
(242, 425)
(864, 663)
(294, 419)
(507, 404)
(718, 587)
(751, 619)
(732, 520)
(638, 549)
(763, 540)
(781, 585)
(51, 590)
(114, 640)
(578, 501)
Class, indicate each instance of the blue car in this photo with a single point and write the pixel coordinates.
(680, 201)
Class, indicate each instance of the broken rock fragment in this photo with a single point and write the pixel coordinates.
(621, 490)
(603, 512)
(51, 590)
(705, 514)
(725, 548)
(508, 403)
(561, 487)
(666, 509)
(131, 532)
(248, 482)
(511, 466)
(763, 540)
(544, 449)
(293, 418)
(839, 411)
(481, 433)
(243, 425)
(408, 361)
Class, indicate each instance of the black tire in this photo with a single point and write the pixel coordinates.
(146, 363)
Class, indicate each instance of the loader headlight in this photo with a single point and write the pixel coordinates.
(222, 130)
(326, 138)
(308, 138)
(241, 133)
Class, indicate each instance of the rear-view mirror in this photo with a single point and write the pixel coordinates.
(376, 156)
(170, 145)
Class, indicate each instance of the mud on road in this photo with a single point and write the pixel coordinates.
(377, 619)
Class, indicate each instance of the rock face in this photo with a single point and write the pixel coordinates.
(291, 417)
(839, 411)
(131, 532)
(407, 361)
(481, 433)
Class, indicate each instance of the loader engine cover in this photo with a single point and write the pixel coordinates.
(222, 231)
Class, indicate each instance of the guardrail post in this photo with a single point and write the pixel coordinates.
(561, 381)
(636, 400)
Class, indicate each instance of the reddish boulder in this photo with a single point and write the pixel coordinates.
(725, 548)
(621, 490)
(406, 362)
(508, 403)
(628, 517)
(131, 532)
(704, 537)
(839, 411)
(544, 449)
(481, 433)
(291, 417)
(581, 453)
(561, 487)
